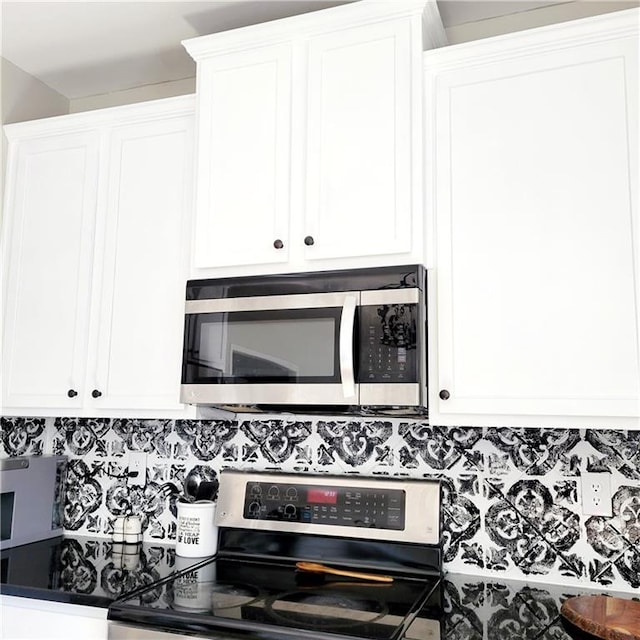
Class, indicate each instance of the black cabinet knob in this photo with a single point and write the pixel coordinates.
(444, 395)
(72, 393)
(309, 241)
(278, 244)
(96, 394)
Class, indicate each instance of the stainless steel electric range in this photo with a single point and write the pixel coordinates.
(267, 523)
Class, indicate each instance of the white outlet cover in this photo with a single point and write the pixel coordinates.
(137, 469)
(596, 494)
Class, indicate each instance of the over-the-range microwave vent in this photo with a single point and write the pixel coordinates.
(350, 342)
(210, 412)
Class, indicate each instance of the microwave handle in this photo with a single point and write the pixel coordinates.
(347, 322)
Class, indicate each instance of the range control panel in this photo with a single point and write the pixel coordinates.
(350, 506)
(375, 508)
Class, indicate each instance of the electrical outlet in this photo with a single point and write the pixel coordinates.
(137, 469)
(596, 494)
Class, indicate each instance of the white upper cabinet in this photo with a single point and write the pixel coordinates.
(244, 138)
(146, 232)
(96, 239)
(309, 151)
(358, 190)
(50, 215)
(535, 299)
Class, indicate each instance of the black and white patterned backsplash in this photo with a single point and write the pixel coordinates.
(511, 495)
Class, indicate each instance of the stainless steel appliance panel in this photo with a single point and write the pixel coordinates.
(421, 509)
(32, 494)
(258, 342)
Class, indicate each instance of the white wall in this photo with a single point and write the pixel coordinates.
(137, 94)
(27, 98)
(24, 98)
(562, 12)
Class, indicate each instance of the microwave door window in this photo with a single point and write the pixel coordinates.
(277, 346)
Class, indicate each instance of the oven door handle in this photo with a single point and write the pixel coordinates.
(347, 322)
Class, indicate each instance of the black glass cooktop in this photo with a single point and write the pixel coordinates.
(273, 600)
(83, 570)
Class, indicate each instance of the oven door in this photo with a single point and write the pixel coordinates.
(271, 350)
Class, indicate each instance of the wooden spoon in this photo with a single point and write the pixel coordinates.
(315, 567)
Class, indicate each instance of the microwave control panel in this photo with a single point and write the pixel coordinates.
(325, 505)
(388, 339)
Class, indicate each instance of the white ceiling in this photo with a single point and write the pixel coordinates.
(90, 48)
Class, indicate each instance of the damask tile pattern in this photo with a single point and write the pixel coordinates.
(22, 437)
(276, 444)
(617, 450)
(505, 609)
(536, 533)
(461, 518)
(537, 452)
(511, 496)
(349, 445)
(205, 439)
(445, 449)
(84, 436)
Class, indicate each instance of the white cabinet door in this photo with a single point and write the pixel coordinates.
(50, 219)
(537, 227)
(243, 158)
(146, 230)
(360, 126)
(310, 140)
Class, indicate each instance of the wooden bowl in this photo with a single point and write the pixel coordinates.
(604, 617)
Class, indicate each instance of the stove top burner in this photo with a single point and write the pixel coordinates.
(229, 596)
(219, 596)
(319, 609)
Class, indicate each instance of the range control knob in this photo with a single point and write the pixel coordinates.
(289, 511)
(254, 509)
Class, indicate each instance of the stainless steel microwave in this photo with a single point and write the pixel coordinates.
(32, 498)
(353, 340)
